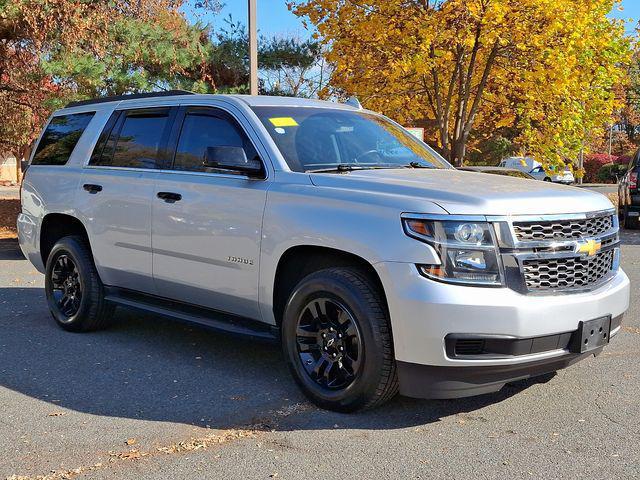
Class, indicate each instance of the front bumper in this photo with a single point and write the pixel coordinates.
(423, 312)
(426, 381)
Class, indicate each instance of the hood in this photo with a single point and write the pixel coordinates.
(470, 193)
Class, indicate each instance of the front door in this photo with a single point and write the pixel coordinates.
(207, 223)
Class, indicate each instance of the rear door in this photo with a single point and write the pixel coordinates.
(207, 223)
(116, 195)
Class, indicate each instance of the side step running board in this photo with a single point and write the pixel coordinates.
(209, 318)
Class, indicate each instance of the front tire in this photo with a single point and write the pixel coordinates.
(336, 338)
(74, 292)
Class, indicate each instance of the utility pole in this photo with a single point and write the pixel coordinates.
(253, 47)
(611, 142)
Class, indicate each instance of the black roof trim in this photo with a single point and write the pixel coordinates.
(132, 96)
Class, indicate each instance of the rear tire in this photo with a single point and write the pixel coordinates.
(73, 288)
(337, 341)
(630, 222)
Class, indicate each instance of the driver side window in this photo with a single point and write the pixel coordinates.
(204, 128)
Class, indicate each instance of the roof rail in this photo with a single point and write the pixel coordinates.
(131, 96)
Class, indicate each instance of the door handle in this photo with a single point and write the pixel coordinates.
(92, 188)
(170, 197)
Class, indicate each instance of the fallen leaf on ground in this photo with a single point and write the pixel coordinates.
(130, 455)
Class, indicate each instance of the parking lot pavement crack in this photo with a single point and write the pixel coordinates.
(216, 438)
(604, 412)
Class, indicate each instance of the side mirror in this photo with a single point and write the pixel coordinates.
(233, 159)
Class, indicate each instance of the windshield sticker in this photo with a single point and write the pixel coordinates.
(280, 130)
(283, 122)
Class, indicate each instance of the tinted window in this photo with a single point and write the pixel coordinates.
(102, 141)
(60, 138)
(136, 140)
(201, 130)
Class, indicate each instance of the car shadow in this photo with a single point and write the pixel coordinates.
(151, 368)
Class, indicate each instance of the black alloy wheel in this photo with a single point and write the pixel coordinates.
(336, 338)
(329, 343)
(66, 286)
(75, 294)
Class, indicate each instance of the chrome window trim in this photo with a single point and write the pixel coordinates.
(180, 172)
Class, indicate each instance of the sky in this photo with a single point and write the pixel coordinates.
(630, 12)
(275, 18)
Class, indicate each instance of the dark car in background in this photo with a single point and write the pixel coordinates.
(628, 194)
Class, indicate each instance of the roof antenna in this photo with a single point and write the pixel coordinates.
(354, 102)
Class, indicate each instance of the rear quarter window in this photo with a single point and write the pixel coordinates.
(60, 138)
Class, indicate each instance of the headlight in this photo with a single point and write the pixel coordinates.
(467, 250)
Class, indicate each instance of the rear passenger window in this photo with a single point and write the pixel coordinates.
(60, 138)
(202, 129)
(136, 140)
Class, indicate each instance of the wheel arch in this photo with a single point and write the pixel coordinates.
(55, 226)
(301, 260)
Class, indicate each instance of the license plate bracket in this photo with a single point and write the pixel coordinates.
(591, 334)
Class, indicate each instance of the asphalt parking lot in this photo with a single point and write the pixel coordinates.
(150, 398)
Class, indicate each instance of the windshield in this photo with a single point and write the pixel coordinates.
(321, 138)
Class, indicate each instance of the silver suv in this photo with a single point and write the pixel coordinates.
(378, 266)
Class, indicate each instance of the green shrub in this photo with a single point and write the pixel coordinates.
(610, 173)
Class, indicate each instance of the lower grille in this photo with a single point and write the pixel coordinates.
(469, 346)
(562, 273)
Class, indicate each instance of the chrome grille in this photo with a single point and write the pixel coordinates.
(563, 273)
(558, 230)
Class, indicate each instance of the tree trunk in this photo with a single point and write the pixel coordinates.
(18, 170)
(23, 153)
(458, 150)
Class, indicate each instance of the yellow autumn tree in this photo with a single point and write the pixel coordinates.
(546, 68)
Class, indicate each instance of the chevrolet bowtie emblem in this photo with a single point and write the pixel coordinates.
(590, 247)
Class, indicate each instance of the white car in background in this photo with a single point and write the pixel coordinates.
(566, 176)
(535, 169)
(524, 164)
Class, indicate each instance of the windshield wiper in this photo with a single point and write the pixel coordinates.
(348, 167)
(342, 167)
(416, 165)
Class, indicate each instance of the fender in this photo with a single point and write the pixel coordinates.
(365, 224)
